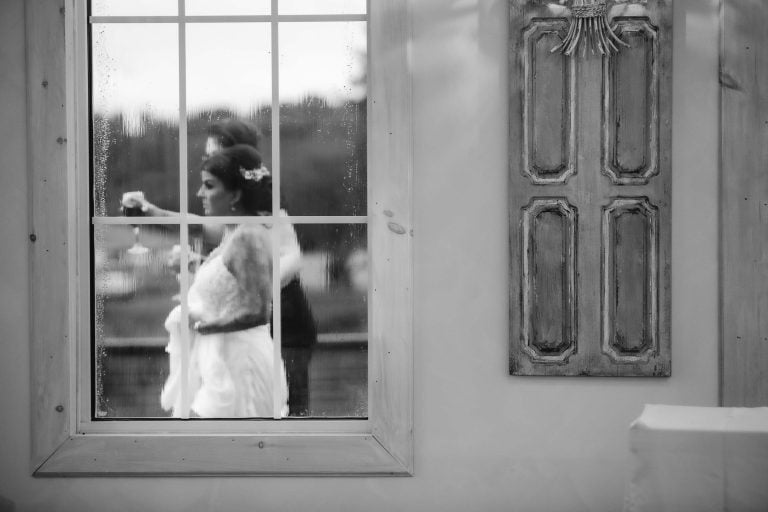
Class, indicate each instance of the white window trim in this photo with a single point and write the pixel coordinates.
(62, 443)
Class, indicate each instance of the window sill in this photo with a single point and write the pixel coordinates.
(222, 455)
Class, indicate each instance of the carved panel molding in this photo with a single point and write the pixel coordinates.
(549, 227)
(630, 280)
(549, 91)
(631, 106)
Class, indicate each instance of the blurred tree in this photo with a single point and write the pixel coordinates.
(323, 156)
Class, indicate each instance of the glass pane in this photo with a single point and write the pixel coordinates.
(229, 81)
(321, 6)
(227, 7)
(322, 118)
(135, 91)
(324, 316)
(134, 7)
(135, 287)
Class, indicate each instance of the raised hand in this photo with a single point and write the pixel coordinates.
(134, 202)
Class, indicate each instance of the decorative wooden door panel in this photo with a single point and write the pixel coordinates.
(590, 164)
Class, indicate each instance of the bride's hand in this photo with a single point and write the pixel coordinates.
(174, 259)
(135, 200)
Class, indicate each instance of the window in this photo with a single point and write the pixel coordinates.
(162, 129)
(157, 89)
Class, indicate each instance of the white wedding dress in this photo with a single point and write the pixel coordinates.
(230, 373)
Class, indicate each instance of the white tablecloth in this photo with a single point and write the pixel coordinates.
(698, 459)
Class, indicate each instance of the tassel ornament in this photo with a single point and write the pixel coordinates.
(590, 23)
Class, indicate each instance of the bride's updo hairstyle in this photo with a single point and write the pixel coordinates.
(239, 167)
(230, 132)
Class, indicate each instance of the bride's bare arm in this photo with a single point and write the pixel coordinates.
(211, 232)
(247, 254)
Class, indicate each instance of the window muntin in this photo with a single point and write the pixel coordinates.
(322, 168)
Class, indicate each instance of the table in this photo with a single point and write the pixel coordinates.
(698, 459)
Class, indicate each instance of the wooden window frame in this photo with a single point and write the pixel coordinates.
(64, 441)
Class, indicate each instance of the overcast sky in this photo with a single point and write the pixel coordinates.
(135, 66)
(222, 7)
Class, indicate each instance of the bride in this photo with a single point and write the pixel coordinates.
(231, 359)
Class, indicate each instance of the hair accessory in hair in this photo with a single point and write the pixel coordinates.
(254, 174)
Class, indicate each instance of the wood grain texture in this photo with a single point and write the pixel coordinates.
(744, 203)
(630, 280)
(549, 129)
(627, 100)
(390, 207)
(49, 279)
(549, 287)
(221, 455)
(630, 104)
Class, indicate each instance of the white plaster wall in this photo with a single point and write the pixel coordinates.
(484, 440)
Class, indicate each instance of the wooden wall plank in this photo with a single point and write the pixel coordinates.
(390, 207)
(744, 203)
(47, 150)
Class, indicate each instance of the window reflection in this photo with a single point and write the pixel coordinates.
(322, 171)
(323, 117)
(245, 94)
(228, 67)
(135, 113)
(134, 288)
(327, 361)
